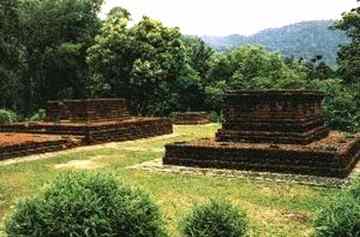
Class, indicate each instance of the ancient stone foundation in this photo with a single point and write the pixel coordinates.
(190, 118)
(93, 121)
(87, 110)
(271, 131)
(27, 144)
(292, 117)
(99, 132)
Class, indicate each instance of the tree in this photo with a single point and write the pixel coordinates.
(139, 63)
(10, 51)
(251, 67)
(56, 35)
(349, 55)
(199, 54)
(189, 89)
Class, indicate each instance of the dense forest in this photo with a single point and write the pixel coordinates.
(302, 40)
(57, 49)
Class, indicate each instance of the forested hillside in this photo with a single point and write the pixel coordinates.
(304, 39)
(61, 49)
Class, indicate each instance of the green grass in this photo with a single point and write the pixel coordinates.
(274, 209)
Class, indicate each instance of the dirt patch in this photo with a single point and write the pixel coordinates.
(10, 139)
(143, 149)
(80, 165)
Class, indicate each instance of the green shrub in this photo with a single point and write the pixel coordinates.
(86, 204)
(7, 116)
(340, 218)
(354, 189)
(341, 105)
(216, 117)
(39, 116)
(215, 219)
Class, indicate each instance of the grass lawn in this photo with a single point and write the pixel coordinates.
(274, 209)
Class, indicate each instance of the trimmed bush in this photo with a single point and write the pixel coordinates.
(340, 218)
(39, 116)
(354, 189)
(7, 117)
(86, 204)
(215, 219)
(216, 117)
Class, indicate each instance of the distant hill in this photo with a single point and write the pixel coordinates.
(304, 39)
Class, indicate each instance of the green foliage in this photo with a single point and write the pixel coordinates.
(39, 116)
(188, 91)
(7, 117)
(251, 67)
(341, 105)
(354, 189)
(349, 54)
(216, 117)
(138, 63)
(340, 218)
(215, 219)
(86, 204)
(55, 35)
(11, 54)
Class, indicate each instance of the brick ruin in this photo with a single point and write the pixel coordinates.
(93, 121)
(87, 110)
(190, 118)
(271, 131)
(28, 144)
(293, 117)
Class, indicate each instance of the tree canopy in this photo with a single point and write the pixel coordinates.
(349, 54)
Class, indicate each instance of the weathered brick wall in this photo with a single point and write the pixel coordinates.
(272, 159)
(26, 149)
(99, 132)
(190, 118)
(288, 116)
(87, 110)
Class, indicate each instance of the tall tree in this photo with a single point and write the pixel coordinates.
(349, 55)
(10, 51)
(138, 63)
(251, 67)
(56, 35)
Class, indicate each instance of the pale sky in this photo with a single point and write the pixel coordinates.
(214, 17)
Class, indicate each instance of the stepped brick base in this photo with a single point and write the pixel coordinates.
(334, 156)
(33, 144)
(87, 110)
(285, 116)
(303, 138)
(99, 132)
(191, 118)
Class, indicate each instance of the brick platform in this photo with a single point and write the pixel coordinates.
(87, 110)
(334, 156)
(190, 118)
(28, 144)
(273, 116)
(98, 132)
(271, 131)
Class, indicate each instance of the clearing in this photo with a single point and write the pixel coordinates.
(274, 209)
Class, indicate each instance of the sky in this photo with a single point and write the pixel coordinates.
(225, 17)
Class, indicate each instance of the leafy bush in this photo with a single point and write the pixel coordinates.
(354, 189)
(215, 219)
(340, 218)
(216, 117)
(341, 105)
(86, 204)
(39, 116)
(7, 117)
